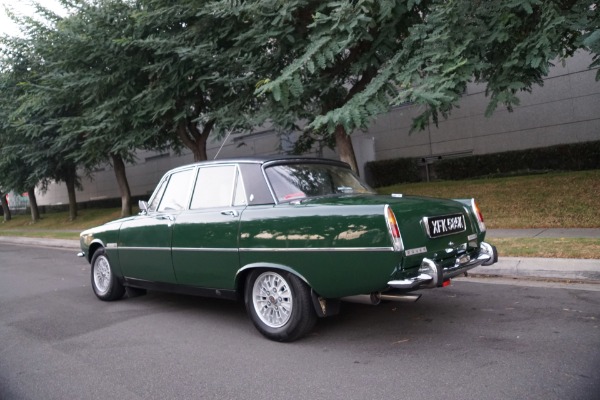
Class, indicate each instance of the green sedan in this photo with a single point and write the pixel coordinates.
(291, 236)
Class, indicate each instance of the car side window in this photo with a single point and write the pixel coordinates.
(214, 187)
(176, 193)
(158, 195)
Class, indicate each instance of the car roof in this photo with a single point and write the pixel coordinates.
(264, 160)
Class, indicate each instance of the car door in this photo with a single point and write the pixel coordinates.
(145, 241)
(205, 238)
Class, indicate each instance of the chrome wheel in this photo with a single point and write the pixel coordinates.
(102, 275)
(105, 283)
(272, 299)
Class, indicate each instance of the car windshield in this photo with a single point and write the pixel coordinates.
(298, 181)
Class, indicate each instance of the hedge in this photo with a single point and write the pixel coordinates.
(389, 172)
(568, 157)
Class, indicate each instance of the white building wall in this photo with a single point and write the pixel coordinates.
(565, 110)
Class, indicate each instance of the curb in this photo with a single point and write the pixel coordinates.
(41, 242)
(563, 269)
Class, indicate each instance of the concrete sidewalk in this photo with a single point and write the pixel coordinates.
(559, 269)
(564, 269)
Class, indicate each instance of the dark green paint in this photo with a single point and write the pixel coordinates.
(340, 245)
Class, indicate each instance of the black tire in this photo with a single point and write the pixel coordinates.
(105, 284)
(279, 305)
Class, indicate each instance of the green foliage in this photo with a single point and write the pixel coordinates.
(114, 76)
(28, 152)
(385, 53)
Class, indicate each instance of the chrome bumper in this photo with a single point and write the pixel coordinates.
(432, 275)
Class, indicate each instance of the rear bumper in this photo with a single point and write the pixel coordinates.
(433, 275)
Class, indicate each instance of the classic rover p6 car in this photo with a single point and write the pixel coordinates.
(291, 236)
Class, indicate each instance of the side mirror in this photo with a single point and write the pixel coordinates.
(143, 207)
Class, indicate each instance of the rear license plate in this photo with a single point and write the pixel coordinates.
(444, 225)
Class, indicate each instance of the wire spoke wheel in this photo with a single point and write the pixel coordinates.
(102, 275)
(279, 304)
(104, 282)
(272, 299)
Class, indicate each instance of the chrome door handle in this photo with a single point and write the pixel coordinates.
(162, 217)
(233, 213)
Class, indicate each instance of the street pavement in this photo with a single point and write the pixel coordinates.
(553, 269)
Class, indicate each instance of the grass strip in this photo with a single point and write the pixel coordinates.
(554, 200)
(588, 248)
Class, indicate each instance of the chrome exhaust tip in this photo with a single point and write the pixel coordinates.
(401, 298)
(372, 299)
(375, 298)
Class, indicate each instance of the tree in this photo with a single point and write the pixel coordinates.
(88, 62)
(17, 172)
(34, 109)
(508, 46)
(340, 63)
(315, 56)
(193, 90)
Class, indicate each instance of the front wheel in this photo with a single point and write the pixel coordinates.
(279, 304)
(104, 282)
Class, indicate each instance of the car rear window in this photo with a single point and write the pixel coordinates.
(296, 181)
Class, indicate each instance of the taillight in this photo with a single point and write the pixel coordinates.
(478, 214)
(392, 224)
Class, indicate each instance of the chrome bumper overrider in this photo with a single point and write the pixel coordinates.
(432, 275)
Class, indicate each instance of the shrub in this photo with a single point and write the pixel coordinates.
(567, 157)
(388, 172)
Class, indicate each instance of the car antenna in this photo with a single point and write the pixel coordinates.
(223, 144)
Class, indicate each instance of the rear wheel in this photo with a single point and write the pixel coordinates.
(104, 282)
(279, 304)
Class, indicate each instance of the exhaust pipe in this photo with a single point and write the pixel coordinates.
(371, 299)
(401, 298)
(376, 297)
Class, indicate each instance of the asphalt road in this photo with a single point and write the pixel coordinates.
(472, 340)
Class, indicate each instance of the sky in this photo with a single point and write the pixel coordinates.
(21, 7)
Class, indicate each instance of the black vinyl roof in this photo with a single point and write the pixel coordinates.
(266, 160)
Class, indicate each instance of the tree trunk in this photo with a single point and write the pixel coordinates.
(71, 180)
(119, 167)
(343, 143)
(193, 138)
(5, 208)
(35, 211)
(200, 150)
(344, 148)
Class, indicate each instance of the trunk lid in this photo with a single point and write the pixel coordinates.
(427, 225)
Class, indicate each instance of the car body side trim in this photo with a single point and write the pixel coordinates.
(309, 249)
(221, 249)
(259, 249)
(144, 248)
